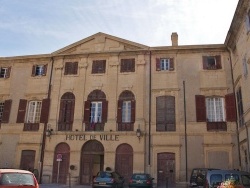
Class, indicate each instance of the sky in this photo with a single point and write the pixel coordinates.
(31, 27)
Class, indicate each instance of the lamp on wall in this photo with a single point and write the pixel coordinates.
(49, 131)
(138, 133)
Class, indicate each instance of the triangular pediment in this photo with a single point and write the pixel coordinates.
(100, 42)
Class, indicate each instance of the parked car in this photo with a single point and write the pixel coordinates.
(214, 178)
(108, 179)
(142, 180)
(198, 176)
(15, 178)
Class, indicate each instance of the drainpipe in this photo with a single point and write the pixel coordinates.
(45, 126)
(237, 125)
(149, 129)
(185, 123)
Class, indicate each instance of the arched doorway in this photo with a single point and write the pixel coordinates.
(124, 161)
(61, 163)
(165, 169)
(92, 161)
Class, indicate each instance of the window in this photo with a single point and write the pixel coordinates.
(5, 72)
(164, 64)
(126, 111)
(212, 62)
(247, 22)
(95, 111)
(127, 65)
(240, 107)
(34, 112)
(244, 65)
(39, 70)
(98, 66)
(165, 113)
(215, 109)
(1, 110)
(71, 68)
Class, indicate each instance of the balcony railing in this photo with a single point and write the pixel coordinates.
(94, 126)
(216, 126)
(31, 127)
(65, 126)
(125, 126)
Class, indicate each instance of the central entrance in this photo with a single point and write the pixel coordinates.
(92, 161)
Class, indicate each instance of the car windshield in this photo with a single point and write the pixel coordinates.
(140, 176)
(16, 179)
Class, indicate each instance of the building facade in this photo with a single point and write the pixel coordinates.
(105, 102)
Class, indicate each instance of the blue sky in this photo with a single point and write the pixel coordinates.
(29, 27)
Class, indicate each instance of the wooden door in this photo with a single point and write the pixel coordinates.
(165, 169)
(61, 168)
(124, 161)
(27, 160)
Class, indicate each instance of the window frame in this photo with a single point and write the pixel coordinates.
(96, 112)
(126, 111)
(127, 65)
(5, 72)
(98, 67)
(214, 108)
(206, 60)
(71, 68)
(33, 114)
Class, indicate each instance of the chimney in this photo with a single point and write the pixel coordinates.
(174, 38)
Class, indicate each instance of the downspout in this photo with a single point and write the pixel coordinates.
(185, 123)
(45, 125)
(149, 120)
(237, 125)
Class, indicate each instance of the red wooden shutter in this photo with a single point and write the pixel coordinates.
(230, 107)
(45, 69)
(6, 111)
(158, 64)
(132, 111)
(218, 61)
(86, 111)
(104, 111)
(204, 61)
(21, 111)
(8, 72)
(119, 111)
(45, 111)
(171, 64)
(200, 108)
(33, 70)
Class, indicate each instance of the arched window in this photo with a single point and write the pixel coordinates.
(126, 111)
(95, 111)
(66, 114)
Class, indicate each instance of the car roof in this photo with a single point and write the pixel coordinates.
(14, 170)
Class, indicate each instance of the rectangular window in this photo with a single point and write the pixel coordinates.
(71, 68)
(3, 73)
(212, 62)
(215, 109)
(127, 65)
(165, 64)
(34, 112)
(98, 66)
(1, 110)
(126, 112)
(96, 112)
(244, 65)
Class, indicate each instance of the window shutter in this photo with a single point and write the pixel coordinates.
(8, 72)
(247, 22)
(230, 107)
(45, 69)
(204, 61)
(200, 108)
(171, 64)
(86, 111)
(218, 61)
(75, 67)
(119, 111)
(62, 111)
(132, 65)
(21, 111)
(104, 111)
(158, 64)
(71, 111)
(45, 111)
(132, 111)
(6, 111)
(33, 70)
(66, 68)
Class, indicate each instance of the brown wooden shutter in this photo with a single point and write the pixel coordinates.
(66, 68)
(62, 111)
(132, 111)
(45, 69)
(104, 111)
(200, 108)
(119, 111)
(204, 61)
(71, 111)
(6, 111)
(45, 111)
(132, 65)
(218, 62)
(171, 64)
(75, 67)
(230, 107)
(86, 117)
(33, 70)
(21, 111)
(8, 72)
(158, 64)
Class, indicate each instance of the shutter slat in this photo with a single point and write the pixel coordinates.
(230, 107)
(104, 111)
(45, 111)
(119, 111)
(6, 111)
(21, 111)
(171, 64)
(218, 62)
(86, 111)
(200, 108)
(158, 64)
(133, 111)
